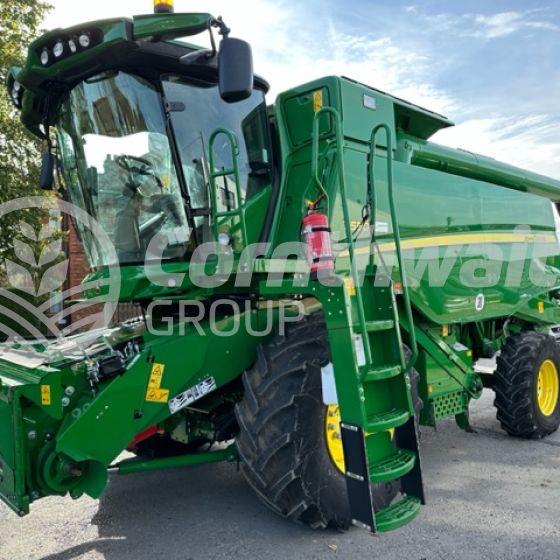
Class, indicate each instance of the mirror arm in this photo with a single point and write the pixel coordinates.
(212, 41)
(223, 29)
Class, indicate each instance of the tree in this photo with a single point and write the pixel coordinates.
(19, 150)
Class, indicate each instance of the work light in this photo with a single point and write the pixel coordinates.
(84, 40)
(44, 57)
(58, 49)
(17, 94)
(72, 45)
(163, 6)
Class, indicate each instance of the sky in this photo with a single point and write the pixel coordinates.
(491, 67)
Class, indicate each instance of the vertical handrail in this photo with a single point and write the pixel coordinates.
(345, 213)
(214, 174)
(396, 232)
(315, 159)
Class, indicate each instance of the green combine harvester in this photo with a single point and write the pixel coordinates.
(387, 266)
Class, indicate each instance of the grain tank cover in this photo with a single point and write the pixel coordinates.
(413, 119)
(417, 121)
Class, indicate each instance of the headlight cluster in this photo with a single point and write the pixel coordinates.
(65, 47)
(17, 94)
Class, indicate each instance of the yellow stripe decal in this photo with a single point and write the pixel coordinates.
(461, 239)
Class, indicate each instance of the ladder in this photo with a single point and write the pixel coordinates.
(215, 174)
(378, 426)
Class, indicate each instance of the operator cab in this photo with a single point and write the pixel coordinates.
(135, 114)
(134, 156)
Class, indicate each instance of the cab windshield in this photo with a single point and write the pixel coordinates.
(118, 165)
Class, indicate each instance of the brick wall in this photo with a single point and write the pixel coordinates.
(78, 268)
(78, 263)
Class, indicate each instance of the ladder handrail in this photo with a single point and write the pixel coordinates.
(346, 214)
(315, 158)
(396, 232)
(215, 174)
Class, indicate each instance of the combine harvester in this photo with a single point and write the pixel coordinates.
(417, 269)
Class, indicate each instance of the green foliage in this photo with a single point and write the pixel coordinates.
(20, 21)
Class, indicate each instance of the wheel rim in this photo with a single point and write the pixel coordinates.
(548, 388)
(333, 437)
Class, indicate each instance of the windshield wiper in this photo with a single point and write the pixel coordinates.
(179, 168)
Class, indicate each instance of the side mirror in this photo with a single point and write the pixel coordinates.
(235, 68)
(46, 178)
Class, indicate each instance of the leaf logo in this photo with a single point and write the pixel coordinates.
(20, 276)
(37, 267)
(53, 278)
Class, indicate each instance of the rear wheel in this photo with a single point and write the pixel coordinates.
(528, 385)
(289, 441)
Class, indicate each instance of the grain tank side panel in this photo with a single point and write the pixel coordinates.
(463, 238)
(475, 248)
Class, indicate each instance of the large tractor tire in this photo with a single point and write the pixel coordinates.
(289, 441)
(528, 385)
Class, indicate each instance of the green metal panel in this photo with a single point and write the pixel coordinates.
(165, 27)
(188, 358)
(362, 110)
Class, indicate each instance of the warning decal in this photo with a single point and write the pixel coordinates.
(156, 375)
(182, 400)
(317, 100)
(45, 395)
(157, 395)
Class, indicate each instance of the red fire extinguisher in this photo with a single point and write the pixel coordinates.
(315, 227)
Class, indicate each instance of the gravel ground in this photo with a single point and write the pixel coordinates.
(489, 497)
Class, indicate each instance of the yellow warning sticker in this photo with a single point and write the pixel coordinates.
(349, 286)
(317, 100)
(156, 375)
(540, 306)
(45, 395)
(157, 395)
(355, 224)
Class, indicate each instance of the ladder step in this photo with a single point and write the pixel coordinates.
(228, 214)
(398, 514)
(384, 421)
(381, 373)
(398, 464)
(376, 326)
